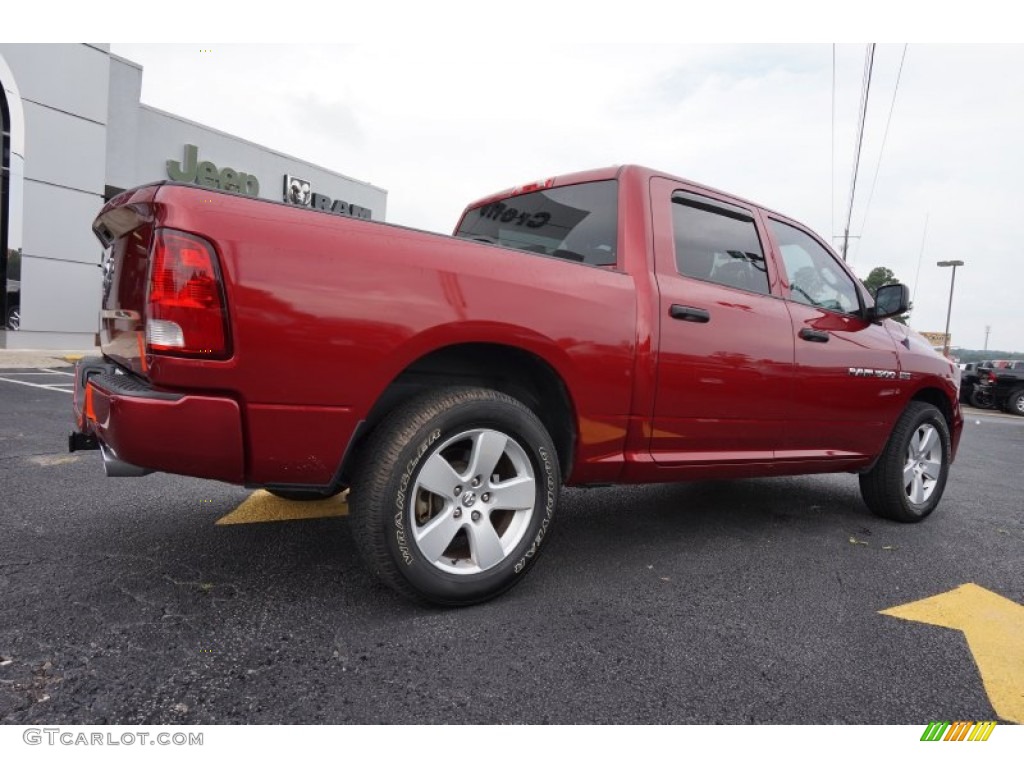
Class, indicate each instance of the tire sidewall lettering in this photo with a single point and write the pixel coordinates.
(550, 497)
(401, 536)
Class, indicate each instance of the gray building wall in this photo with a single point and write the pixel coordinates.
(86, 134)
(162, 136)
(123, 122)
(64, 97)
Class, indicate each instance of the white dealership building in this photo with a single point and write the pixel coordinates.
(74, 133)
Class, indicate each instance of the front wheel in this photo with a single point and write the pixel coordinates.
(909, 477)
(982, 398)
(454, 495)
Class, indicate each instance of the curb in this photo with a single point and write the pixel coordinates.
(43, 358)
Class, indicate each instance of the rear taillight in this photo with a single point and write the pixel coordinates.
(185, 312)
(992, 378)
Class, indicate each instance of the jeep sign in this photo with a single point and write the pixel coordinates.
(206, 174)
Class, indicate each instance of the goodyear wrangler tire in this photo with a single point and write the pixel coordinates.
(454, 495)
(907, 481)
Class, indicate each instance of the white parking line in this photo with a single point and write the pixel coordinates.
(67, 389)
(40, 372)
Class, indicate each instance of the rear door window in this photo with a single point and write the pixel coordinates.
(718, 243)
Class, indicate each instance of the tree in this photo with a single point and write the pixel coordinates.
(878, 277)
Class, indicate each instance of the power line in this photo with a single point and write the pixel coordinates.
(833, 209)
(892, 105)
(865, 90)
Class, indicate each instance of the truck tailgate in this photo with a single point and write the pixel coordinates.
(125, 227)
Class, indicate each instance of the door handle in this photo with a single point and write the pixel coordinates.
(689, 314)
(809, 334)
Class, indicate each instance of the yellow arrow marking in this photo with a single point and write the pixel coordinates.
(264, 507)
(994, 627)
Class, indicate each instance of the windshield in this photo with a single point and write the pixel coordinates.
(577, 223)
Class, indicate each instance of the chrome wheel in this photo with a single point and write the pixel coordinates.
(923, 464)
(472, 501)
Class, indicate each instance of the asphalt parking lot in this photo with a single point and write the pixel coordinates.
(124, 601)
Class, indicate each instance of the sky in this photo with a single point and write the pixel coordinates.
(441, 123)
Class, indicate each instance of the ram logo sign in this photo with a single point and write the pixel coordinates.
(300, 192)
(297, 191)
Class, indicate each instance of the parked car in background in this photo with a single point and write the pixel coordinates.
(1001, 386)
(969, 376)
(968, 380)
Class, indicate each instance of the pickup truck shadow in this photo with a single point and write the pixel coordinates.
(701, 513)
(289, 560)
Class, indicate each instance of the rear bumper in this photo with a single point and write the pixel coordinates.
(200, 436)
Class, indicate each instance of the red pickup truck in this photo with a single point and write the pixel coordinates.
(615, 326)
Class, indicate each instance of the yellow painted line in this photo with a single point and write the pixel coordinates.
(52, 460)
(71, 358)
(264, 507)
(994, 627)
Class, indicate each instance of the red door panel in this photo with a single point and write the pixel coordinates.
(846, 371)
(725, 354)
(724, 386)
(841, 413)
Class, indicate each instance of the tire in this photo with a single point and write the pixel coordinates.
(299, 495)
(966, 390)
(454, 494)
(981, 398)
(1015, 402)
(907, 481)
(13, 319)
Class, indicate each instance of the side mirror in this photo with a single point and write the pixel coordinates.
(890, 300)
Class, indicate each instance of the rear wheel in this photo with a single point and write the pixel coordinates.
(1015, 402)
(909, 477)
(454, 495)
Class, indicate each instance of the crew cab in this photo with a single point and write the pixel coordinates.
(620, 325)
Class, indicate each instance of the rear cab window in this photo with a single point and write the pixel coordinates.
(576, 223)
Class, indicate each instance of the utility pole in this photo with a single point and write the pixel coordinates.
(869, 59)
(988, 330)
(949, 310)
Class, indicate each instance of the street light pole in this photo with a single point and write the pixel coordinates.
(949, 309)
